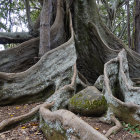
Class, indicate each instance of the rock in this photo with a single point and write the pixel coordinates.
(104, 132)
(99, 83)
(89, 102)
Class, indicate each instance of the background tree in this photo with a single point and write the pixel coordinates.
(137, 25)
(118, 18)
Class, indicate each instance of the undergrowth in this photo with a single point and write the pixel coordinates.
(133, 129)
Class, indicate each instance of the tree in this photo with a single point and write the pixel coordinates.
(128, 24)
(137, 25)
(71, 63)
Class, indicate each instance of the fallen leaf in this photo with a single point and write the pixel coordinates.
(97, 128)
(23, 127)
(17, 107)
(34, 124)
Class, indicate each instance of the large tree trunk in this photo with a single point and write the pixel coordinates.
(95, 44)
(137, 25)
(54, 78)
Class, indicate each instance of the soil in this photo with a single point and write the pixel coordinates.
(31, 131)
(103, 128)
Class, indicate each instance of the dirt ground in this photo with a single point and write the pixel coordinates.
(30, 130)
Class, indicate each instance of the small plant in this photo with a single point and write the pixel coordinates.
(133, 129)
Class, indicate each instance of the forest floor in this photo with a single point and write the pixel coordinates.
(30, 130)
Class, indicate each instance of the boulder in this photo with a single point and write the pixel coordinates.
(89, 102)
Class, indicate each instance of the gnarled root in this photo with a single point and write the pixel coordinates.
(114, 129)
(53, 69)
(22, 57)
(120, 92)
(62, 124)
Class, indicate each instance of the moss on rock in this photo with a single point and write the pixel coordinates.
(88, 102)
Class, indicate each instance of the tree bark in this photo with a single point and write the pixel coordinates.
(30, 24)
(128, 24)
(45, 27)
(69, 126)
(16, 37)
(120, 92)
(137, 26)
(95, 44)
(19, 58)
(51, 73)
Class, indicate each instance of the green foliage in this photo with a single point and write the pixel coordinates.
(34, 14)
(118, 18)
(13, 14)
(131, 128)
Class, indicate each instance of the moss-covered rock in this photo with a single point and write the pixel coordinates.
(89, 101)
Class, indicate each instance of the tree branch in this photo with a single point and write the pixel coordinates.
(122, 31)
(15, 37)
(30, 24)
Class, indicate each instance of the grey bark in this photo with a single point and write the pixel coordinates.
(30, 24)
(19, 58)
(122, 95)
(65, 125)
(98, 43)
(137, 26)
(16, 37)
(128, 24)
(45, 27)
(31, 48)
(49, 73)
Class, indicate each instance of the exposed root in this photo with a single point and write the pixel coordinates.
(64, 93)
(21, 58)
(75, 128)
(55, 66)
(79, 81)
(14, 120)
(121, 94)
(73, 80)
(114, 129)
